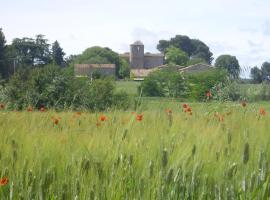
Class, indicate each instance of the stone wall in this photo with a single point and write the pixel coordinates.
(88, 69)
(153, 60)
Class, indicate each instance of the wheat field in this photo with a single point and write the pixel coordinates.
(175, 151)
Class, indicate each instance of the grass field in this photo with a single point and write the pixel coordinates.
(220, 151)
(128, 86)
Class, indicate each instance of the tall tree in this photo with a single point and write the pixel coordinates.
(256, 75)
(57, 53)
(43, 54)
(265, 68)
(192, 47)
(2, 52)
(230, 63)
(176, 56)
(99, 55)
(31, 51)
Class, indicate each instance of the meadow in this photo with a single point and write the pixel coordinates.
(163, 150)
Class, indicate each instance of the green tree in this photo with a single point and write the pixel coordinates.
(194, 61)
(31, 51)
(176, 56)
(230, 63)
(99, 55)
(57, 53)
(192, 47)
(42, 54)
(265, 68)
(165, 82)
(2, 53)
(124, 70)
(256, 75)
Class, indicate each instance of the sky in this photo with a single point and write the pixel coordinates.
(237, 27)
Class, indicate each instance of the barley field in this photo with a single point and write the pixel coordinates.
(166, 151)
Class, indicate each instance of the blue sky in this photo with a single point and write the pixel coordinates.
(236, 27)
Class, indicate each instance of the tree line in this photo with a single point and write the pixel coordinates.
(179, 50)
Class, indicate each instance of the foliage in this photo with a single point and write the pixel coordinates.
(31, 51)
(256, 75)
(57, 54)
(200, 83)
(53, 87)
(260, 75)
(124, 69)
(99, 55)
(230, 63)
(165, 82)
(194, 48)
(2, 54)
(227, 91)
(195, 60)
(176, 56)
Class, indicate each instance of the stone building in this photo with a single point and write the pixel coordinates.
(88, 69)
(137, 59)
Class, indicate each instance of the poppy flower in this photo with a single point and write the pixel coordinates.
(262, 111)
(188, 109)
(42, 109)
(56, 121)
(244, 103)
(78, 113)
(185, 105)
(29, 109)
(3, 181)
(139, 117)
(168, 111)
(208, 94)
(98, 124)
(2, 106)
(103, 118)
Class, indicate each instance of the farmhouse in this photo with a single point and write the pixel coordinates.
(141, 64)
(137, 59)
(89, 69)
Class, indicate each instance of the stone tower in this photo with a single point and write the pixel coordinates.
(137, 55)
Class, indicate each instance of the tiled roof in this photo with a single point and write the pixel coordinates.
(94, 65)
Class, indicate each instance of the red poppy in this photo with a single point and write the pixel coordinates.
(55, 121)
(185, 106)
(188, 109)
(98, 124)
(221, 118)
(2, 106)
(244, 103)
(42, 109)
(139, 117)
(103, 118)
(262, 111)
(208, 94)
(168, 111)
(78, 113)
(29, 109)
(3, 181)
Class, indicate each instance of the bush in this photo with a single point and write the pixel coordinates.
(200, 83)
(56, 88)
(165, 82)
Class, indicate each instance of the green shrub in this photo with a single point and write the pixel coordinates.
(165, 82)
(56, 88)
(200, 83)
(121, 100)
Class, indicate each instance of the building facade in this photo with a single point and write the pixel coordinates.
(137, 59)
(89, 69)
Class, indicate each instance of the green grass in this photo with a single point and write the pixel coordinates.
(164, 156)
(128, 86)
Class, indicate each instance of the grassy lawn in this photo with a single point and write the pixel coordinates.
(128, 86)
(211, 151)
